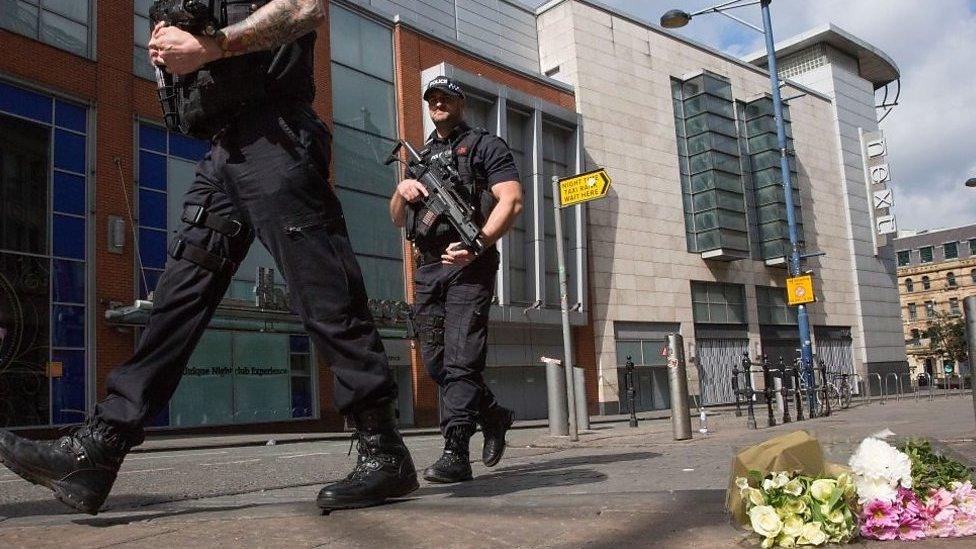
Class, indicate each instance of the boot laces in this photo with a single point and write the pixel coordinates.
(368, 460)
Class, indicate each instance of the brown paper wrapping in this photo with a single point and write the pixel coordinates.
(796, 451)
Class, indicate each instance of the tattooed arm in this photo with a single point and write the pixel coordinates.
(276, 23)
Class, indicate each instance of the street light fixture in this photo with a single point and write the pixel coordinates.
(675, 18)
(679, 18)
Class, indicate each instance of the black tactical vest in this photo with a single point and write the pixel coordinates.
(211, 97)
(473, 188)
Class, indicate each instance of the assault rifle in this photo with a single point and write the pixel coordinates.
(192, 16)
(440, 179)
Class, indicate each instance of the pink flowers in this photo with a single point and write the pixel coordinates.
(945, 512)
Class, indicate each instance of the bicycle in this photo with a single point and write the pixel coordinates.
(840, 396)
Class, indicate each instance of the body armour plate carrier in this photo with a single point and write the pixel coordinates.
(473, 188)
(210, 98)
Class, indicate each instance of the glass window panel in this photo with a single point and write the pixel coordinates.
(69, 281)
(383, 277)
(367, 237)
(904, 257)
(708, 103)
(710, 122)
(24, 287)
(68, 390)
(360, 43)
(359, 162)
(477, 113)
(714, 160)
(69, 193)
(301, 397)
(299, 344)
(152, 247)
(70, 116)
(262, 390)
(23, 185)
(950, 250)
(140, 64)
(141, 31)
(75, 9)
(69, 236)
(972, 246)
(716, 179)
(651, 349)
(152, 138)
(19, 17)
(152, 170)
(631, 349)
(363, 102)
(926, 254)
(152, 209)
(64, 33)
(142, 7)
(68, 326)
(709, 141)
(69, 151)
(206, 393)
(25, 103)
(187, 147)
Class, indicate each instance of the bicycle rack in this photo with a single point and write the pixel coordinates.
(911, 385)
(931, 385)
(961, 383)
(881, 391)
(887, 377)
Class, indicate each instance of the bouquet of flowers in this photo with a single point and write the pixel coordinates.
(911, 493)
(787, 510)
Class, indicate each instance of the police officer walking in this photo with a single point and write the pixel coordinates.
(249, 89)
(454, 285)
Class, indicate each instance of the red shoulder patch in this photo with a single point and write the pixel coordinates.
(461, 151)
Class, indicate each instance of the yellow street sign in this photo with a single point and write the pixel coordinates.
(799, 290)
(583, 187)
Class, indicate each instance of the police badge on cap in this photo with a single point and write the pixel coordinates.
(446, 85)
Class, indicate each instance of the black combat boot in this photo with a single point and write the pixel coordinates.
(495, 424)
(454, 464)
(80, 467)
(383, 470)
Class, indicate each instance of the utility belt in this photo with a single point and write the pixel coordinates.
(434, 256)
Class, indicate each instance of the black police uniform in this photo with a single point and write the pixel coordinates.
(451, 303)
(265, 177)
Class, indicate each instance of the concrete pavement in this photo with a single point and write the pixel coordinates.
(617, 487)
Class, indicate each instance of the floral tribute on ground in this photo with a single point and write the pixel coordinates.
(787, 495)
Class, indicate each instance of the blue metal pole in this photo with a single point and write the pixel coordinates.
(806, 351)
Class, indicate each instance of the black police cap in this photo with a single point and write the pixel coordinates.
(445, 85)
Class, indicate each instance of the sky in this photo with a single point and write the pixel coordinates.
(931, 141)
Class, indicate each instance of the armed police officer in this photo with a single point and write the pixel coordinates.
(247, 86)
(454, 283)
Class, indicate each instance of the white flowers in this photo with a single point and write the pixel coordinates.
(823, 489)
(879, 468)
(765, 521)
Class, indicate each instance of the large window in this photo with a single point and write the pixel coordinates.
(558, 160)
(364, 112)
(43, 252)
(909, 285)
(140, 36)
(972, 246)
(951, 279)
(912, 312)
(954, 306)
(709, 166)
(232, 376)
(64, 24)
(950, 250)
(519, 239)
(929, 309)
(904, 257)
(772, 306)
(925, 254)
(926, 283)
(718, 303)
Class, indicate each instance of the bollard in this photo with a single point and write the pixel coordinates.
(750, 393)
(797, 391)
(678, 383)
(631, 392)
(768, 392)
(556, 391)
(969, 309)
(582, 414)
(735, 389)
(784, 384)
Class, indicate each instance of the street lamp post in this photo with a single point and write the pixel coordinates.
(678, 18)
